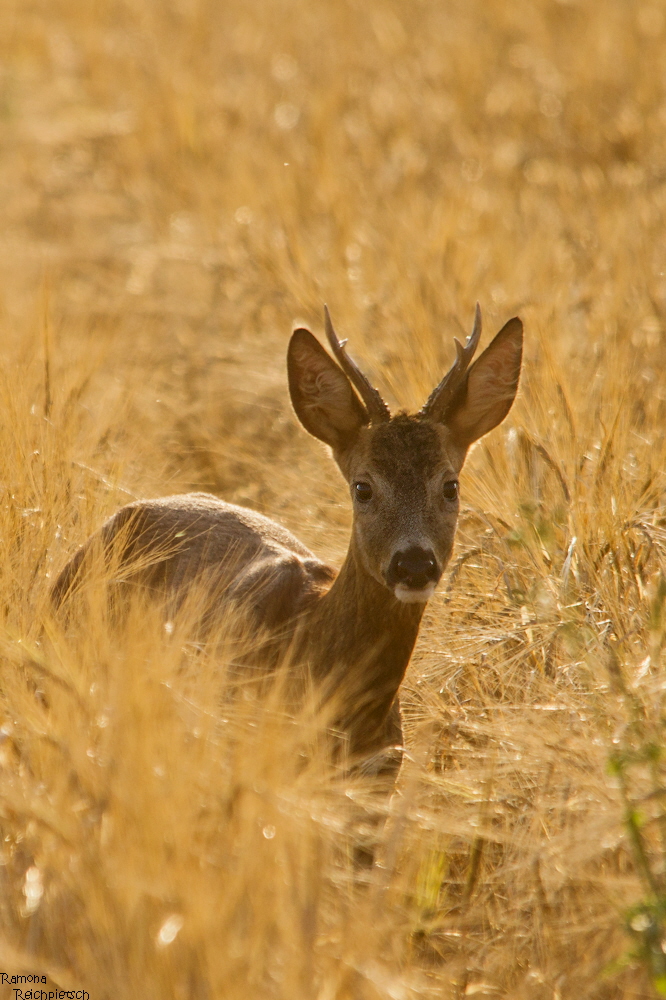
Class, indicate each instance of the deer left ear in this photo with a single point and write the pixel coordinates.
(321, 393)
(490, 388)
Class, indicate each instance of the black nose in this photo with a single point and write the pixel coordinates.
(414, 568)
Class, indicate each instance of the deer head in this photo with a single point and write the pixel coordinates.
(403, 470)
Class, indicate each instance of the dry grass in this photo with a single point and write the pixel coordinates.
(180, 180)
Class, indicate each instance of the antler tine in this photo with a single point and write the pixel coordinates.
(440, 398)
(377, 409)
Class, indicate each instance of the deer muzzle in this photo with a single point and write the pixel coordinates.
(413, 574)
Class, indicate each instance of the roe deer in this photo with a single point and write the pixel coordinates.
(353, 629)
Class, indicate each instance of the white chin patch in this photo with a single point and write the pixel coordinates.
(410, 596)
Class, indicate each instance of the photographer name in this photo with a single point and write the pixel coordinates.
(37, 994)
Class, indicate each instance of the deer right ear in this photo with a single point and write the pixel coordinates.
(490, 387)
(321, 393)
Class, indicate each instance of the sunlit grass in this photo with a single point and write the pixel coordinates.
(180, 183)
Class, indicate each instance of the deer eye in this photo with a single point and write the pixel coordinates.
(363, 492)
(450, 490)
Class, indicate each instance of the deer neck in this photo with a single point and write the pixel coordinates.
(360, 637)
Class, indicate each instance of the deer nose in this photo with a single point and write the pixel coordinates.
(414, 568)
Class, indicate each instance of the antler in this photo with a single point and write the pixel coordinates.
(377, 409)
(442, 396)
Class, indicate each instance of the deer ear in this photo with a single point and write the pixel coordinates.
(490, 387)
(321, 393)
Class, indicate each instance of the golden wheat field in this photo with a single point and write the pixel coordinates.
(180, 182)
